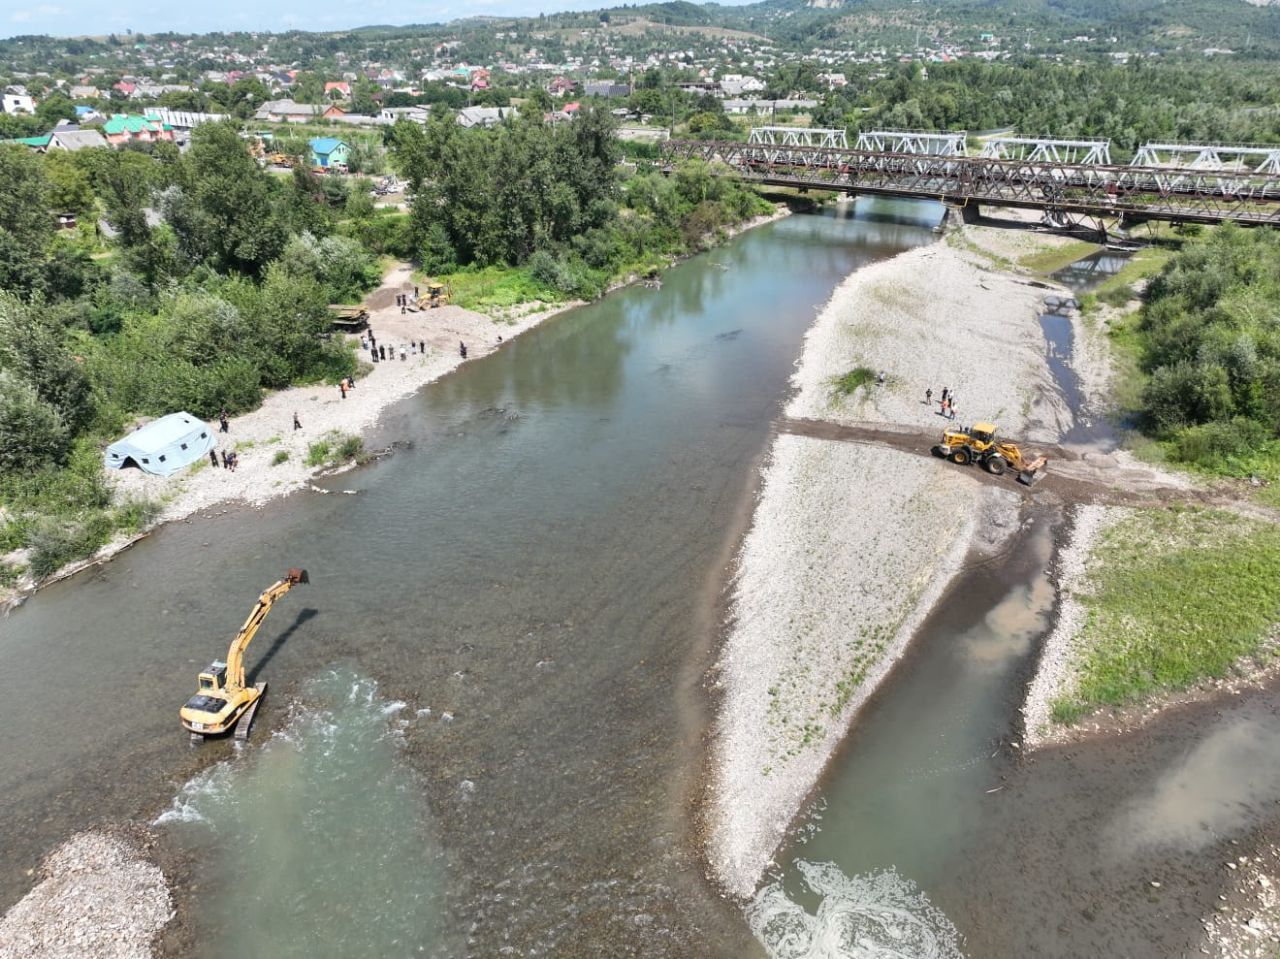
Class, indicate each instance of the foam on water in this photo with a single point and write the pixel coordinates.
(345, 860)
(878, 915)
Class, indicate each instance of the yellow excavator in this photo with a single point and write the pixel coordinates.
(222, 700)
(437, 294)
(978, 444)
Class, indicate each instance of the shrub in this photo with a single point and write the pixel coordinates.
(280, 457)
(847, 384)
(1208, 445)
(54, 544)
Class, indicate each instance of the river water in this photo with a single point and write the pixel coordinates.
(484, 722)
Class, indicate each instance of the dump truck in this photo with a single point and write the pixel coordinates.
(979, 444)
(222, 700)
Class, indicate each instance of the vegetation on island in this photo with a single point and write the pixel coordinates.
(1172, 598)
(1207, 348)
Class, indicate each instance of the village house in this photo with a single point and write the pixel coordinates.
(341, 87)
(17, 100)
(286, 111)
(329, 153)
(128, 128)
(606, 88)
(484, 116)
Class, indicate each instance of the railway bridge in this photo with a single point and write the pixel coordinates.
(1068, 180)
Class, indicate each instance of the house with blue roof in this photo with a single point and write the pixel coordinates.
(329, 152)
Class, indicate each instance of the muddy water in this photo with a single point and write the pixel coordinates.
(531, 575)
(900, 806)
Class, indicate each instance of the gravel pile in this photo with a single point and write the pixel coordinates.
(98, 900)
(850, 548)
(930, 318)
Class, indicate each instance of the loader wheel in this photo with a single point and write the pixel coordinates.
(996, 465)
(960, 457)
(940, 451)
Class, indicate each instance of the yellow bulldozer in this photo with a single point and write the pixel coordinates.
(223, 701)
(978, 444)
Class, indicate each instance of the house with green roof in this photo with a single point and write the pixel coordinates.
(329, 152)
(128, 128)
(39, 144)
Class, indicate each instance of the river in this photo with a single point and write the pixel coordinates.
(484, 725)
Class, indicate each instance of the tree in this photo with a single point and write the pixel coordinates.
(55, 107)
(25, 224)
(69, 188)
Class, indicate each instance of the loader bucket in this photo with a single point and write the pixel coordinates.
(296, 575)
(1030, 477)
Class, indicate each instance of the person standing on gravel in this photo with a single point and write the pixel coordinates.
(342, 387)
(213, 458)
(297, 423)
(223, 425)
(928, 396)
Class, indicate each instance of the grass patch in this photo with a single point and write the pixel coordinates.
(957, 240)
(1050, 259)
(282, 456)
(334, 449)
(494, 287)
(1175, 597)
(848, 384)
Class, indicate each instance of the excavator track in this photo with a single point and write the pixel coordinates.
(244, 725)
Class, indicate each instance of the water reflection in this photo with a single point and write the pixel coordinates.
(1221, 785)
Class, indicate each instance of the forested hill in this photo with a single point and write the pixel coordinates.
(1140, 24)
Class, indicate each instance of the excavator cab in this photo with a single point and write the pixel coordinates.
(437, 295)
(222, 700)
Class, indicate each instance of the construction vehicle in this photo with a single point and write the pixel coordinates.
(348, 319)
(222, 700)
(437, 295)
(281, 159)
(978, 444)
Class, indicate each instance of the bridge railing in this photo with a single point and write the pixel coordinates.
(1170, 193)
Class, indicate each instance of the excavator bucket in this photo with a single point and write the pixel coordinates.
(296, 575)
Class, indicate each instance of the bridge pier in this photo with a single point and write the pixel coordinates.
(958, 214)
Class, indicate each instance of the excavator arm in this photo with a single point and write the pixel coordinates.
(235, 655)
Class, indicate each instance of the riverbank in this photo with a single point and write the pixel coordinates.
(273, 456)
(852, 544)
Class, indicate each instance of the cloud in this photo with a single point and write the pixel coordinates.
(20, 16)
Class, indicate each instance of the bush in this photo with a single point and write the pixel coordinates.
(281, 456)
(54, 544)
(1211, 445)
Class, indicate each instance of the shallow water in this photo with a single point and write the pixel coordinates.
(1085, 275)
(539, 562)
(907, 792)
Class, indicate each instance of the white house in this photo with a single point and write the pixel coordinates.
(17, 100)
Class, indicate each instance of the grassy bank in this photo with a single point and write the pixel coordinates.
(1173, 597)
(1054, 258)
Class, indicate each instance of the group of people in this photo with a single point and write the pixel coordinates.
(379, 352)
(947, 402)
(403, 301)
(229, 460)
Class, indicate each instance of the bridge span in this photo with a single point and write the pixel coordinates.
(1067, 180)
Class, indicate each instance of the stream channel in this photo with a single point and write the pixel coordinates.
(932, 837)
(484, 725)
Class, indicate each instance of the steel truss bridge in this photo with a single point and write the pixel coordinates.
(1069, 180)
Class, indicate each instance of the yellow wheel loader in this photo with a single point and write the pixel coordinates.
(437, 294)
(979, 445)
(222, 700)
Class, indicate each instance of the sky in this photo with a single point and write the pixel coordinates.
(92, 17)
